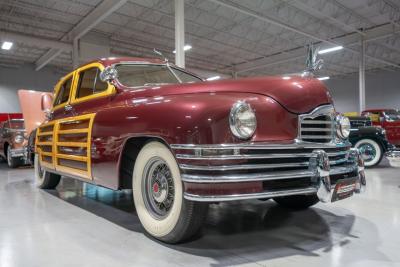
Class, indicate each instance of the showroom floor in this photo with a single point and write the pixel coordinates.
(84, 225)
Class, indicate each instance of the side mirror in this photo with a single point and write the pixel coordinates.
(108, 74)
(47, 104)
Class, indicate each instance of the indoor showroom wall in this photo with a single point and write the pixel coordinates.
(382, 90)
(12, 79)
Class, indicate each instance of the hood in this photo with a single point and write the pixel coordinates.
(31, 106)
(296, 94)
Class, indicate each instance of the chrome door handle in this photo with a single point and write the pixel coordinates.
(67, 107)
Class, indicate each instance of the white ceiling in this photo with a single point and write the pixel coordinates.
(252, 37)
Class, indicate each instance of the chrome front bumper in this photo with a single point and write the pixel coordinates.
(394, 158)
(326, 174)
(18, 152)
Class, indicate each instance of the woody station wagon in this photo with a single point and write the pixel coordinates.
(181, 143)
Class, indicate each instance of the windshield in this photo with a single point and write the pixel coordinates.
(392, 115)
(16, 124)
(135, 75)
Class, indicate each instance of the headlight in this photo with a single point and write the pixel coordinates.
(342, 126)
(242, 120)
(18, 139)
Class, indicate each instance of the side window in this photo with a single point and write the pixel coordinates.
(90, 83)
(63, 93)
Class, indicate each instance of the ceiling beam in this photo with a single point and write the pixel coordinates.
(103, 10)
(31, 40)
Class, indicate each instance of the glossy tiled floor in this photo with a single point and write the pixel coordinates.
(83, 225)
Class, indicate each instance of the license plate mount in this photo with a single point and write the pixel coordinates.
(344, 188)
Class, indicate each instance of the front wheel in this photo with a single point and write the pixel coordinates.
(12, 162)
(158, 196)
(370, 151)
(43, 178)
(297, 202)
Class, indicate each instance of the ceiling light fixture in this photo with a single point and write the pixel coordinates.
(6, 45)
(323, 78)
(185, 48)
(328, 50)
(214, 78)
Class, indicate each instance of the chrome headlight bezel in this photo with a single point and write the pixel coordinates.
(18, 139)
(242, 128)
(342, 126)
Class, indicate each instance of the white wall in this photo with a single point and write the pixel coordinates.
(382, 91)
(26, 77)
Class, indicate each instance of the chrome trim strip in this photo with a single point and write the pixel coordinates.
(254, 156)
(297, 144)
(308, 136)
(316, 129)
(241, 166)
(316, 122)
(270, 194)
(247, 177)
(251, 177)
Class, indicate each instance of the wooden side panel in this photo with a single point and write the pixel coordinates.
(65, 145)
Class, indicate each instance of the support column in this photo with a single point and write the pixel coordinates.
(75, 53)
(180, 33)
(361, 76)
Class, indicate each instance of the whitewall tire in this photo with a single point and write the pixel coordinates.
(158, 195)
(371, 152)
(43, 178)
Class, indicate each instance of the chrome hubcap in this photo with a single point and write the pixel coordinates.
(367, 151)
(158, 188)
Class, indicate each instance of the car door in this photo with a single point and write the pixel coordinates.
(47, 133)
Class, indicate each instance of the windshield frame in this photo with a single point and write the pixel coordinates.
(169, 67)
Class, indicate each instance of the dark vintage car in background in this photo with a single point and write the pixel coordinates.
(388, 119)
(12, 142)
(181, 143)
(371, 141)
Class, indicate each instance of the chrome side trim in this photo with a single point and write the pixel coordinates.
(247, 177)
(267, 194)
(241, 166)
(255, 156)
(297, 144)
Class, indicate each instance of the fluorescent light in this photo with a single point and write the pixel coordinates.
(214, 78)
(185, 48)
(323, 78)
(328, 50)
(6, 45)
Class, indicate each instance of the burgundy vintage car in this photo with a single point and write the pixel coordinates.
(181, 143)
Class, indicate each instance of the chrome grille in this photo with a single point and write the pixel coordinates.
(318, 126)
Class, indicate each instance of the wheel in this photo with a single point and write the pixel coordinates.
(12, 162)
(371, 152)
(158, 196)
(298, 202)
(43, 178)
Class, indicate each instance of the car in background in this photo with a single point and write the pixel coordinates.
(371, 141)
(388, 119)
(9, 116)
(12, 141)
(35, 106)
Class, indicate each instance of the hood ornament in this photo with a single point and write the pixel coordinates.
(312, 63)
